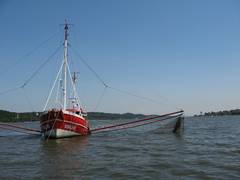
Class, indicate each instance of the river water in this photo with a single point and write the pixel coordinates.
(209, 148)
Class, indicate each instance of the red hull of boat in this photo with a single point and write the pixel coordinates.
(61, 123)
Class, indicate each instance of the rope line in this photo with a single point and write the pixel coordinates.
(137, 121)
(19, 127)
(45, 106)
(52, 125)
(114, 88)
(134, 95)
(89, 67)
(32, 76)
(12, 65)
(10, 90)
(100, 98)
(40, 67)
(28, 100)
(16, 130)
(137, 125)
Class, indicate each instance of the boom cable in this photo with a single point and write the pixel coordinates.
(30, 104)
(100, 99)
(32, 76)
(111, 87)
(40, 67)
(134, 95)
(10, 90)
(15, 63)
(89, 67)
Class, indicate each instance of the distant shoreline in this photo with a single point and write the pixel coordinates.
(7, 116)
(221, 113)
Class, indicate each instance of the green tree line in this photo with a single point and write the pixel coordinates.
(7, 116)
(222, 113)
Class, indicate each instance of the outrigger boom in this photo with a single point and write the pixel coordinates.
(140, 122)
(130, 124)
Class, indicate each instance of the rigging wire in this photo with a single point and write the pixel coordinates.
(100, 99)
(27, 98)
(10, 90)
(40, 67)
(114, 88)
(59, 72)
(29, 102)
(73, 86)
(32, 76)
(15, 63)
(132, 94)
(89, 67)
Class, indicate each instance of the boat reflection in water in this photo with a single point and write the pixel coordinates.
(61, 158)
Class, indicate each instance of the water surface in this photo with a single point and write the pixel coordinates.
(209, 148)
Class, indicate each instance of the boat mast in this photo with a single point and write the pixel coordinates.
(65, 65)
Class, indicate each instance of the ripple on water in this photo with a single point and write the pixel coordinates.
(209, 148)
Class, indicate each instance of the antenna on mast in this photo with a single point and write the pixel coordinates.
(65, 30)
(74, 77)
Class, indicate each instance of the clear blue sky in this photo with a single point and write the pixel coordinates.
(184, 54)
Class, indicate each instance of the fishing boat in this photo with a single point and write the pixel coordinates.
(70, 119)
(67, 117)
